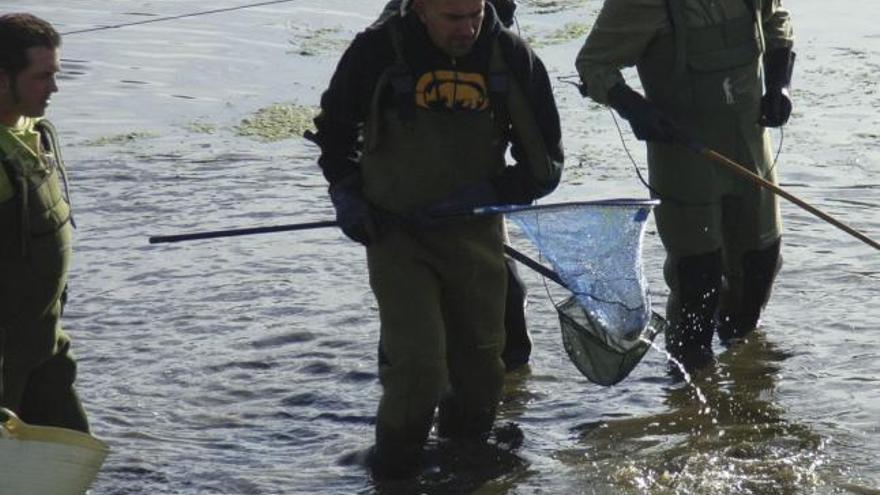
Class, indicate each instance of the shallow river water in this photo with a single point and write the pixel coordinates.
(248, 365)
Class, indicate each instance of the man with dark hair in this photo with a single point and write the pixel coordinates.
(701, 64)
(416, 123)
(37, 369)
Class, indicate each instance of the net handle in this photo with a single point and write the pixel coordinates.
(534, 265)
(619, 202)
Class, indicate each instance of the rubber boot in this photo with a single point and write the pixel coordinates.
(695, 283)
(455, 421)
(396, 455)
(759, 269)
(50, 398)
(518, 342)
(404, 418)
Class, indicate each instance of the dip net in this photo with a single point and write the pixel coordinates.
(595, 249)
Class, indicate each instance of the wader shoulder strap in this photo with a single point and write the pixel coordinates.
(399, 75)
(49, 141)
(402, 83)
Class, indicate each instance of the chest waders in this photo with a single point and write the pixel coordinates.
(35, 246)
(440, 290)
(713, 93)
(710, 219)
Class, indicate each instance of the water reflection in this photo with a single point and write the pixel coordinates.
(740, 441)
(72, 69)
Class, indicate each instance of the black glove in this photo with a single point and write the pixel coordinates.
(505, 10)
(648, 123)
(776, 103)
(462, 201)
(354, 214)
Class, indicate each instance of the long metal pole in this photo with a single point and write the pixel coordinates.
(239, 232)
(160, 239)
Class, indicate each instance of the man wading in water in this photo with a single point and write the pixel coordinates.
(700, 63)
(436, 95)
(517, 341)
(37, 370)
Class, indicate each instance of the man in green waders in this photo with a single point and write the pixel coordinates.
(700, 63)
(37, 370)
(517, 341)
(415, 124)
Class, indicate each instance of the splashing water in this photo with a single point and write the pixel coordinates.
(707, 410)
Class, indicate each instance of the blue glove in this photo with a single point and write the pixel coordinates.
(776, 104)
(648, 123)
(354, 214)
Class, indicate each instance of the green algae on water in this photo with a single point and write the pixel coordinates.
(277, 122)
(201, 127)
(551, 6)
(570, 31)
(316, 42)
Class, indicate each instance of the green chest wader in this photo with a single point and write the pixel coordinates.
(709, 215)
(35, 250)
(714, 94)
(440, 290)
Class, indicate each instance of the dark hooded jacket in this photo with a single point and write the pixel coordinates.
(346, 105)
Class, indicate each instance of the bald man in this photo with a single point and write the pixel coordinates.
(416, 122)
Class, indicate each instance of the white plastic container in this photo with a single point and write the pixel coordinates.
(42, 460)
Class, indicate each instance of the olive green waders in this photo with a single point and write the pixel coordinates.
(38, 370)
(441, 290)
(711, 220)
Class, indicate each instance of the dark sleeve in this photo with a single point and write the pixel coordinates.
(538, 169)
(343, 111)
(620, 36)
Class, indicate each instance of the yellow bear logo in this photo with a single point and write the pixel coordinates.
(452, 90)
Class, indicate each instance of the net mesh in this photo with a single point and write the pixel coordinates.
(595, 248)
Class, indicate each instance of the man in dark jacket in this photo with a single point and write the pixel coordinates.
(416, 123)
(517, 341)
